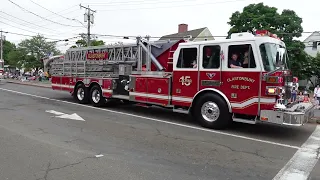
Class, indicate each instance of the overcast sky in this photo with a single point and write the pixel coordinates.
(134, 17)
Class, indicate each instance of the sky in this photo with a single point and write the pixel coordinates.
(64, 19)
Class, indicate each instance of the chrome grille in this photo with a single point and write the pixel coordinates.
(288, 87)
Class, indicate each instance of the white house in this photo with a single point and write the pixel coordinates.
(312, 44)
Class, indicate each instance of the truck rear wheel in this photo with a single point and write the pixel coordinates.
(96, 96)
(81, 94)
(212, 111)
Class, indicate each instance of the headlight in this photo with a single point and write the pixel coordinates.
(274, 90)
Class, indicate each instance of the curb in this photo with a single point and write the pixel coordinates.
(29, 84)
(314, 120)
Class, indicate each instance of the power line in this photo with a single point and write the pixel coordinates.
(154, 7)
(179, 37)
(24, 21)
(27, 35)
(40, 16)
(49, 16)
(65, 10)
(55, 12)
(19, 28)
(138, 2)
(67, 39)
(59, 34)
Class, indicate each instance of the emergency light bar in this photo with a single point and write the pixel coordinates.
(265, 33)
(256, 33)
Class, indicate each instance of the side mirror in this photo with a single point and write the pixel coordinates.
(277, 57)
(280, 56)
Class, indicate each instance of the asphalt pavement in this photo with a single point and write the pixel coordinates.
(40, 141)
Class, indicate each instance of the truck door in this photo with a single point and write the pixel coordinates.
(185, 75)
(210, 66)
(241, 74)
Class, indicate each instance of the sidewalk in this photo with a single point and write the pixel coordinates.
(43, 84)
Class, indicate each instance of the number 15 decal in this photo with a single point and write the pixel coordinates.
(185, 80)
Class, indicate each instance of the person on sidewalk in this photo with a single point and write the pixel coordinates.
(300, 97)
(316, 94)
(294, 92)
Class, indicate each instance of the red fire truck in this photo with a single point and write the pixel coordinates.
(244, 78)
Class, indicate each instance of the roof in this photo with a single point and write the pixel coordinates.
(315, 36)
(161, 47)
(194, 33)
(256, 38)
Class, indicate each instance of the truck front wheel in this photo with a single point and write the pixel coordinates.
(212, 111)
(96, 95)
(81, 94)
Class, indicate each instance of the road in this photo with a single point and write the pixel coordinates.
(130, 142)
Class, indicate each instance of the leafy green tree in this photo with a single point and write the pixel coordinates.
(34, 49)
(16, 58)
(7, 48)
(287, 25)
(83, 42)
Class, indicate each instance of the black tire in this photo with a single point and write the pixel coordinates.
(96, 97)
(84, 90)
(224, 117)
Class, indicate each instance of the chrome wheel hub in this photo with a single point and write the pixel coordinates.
(95, 96)
(80, 94)
(210, 111)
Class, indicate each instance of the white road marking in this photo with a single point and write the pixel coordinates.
(99, 155)
(73, 116)
(61, 115)
(54, 112)
(303, 161)
(159, 120)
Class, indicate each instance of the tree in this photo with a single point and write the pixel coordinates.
(286, 25)
(16, 58)
(83, 42)
(7, 48)
(34, 49)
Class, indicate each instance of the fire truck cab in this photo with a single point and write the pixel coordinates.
(244, 78)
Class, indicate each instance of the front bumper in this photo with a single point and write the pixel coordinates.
(296, 115)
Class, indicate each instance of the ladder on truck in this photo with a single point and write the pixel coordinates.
(120, 60)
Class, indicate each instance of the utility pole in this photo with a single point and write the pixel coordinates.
(88, 17)
(1, 44)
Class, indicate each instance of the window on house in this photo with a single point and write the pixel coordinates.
(241, 56)
(211, 57)
(187, 58)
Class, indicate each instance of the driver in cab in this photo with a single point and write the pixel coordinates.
(234, 62)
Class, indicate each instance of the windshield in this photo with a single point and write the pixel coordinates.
(268, 54)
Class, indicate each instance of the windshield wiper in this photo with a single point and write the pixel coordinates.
(271, 72)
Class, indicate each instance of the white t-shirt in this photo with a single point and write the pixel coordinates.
(317, 92)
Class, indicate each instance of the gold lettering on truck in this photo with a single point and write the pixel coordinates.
(247, 79)
(242, 87)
